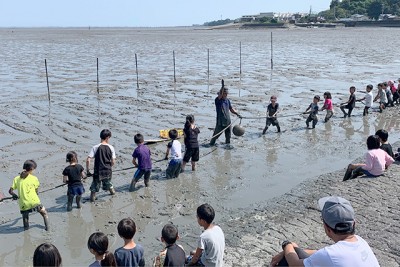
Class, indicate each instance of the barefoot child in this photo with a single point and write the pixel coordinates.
(191, 141)
(98, 246)
(28, 200)
(313, 111)
(142, 155)
(73, 175)
(328, 106)
(272, 112)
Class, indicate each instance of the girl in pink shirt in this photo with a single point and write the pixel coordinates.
(377, 160)
(328, 106)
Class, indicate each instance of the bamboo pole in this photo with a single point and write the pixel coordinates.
(47, 80)
(272, 55)
(240, 60)
(173, 55)
(97, 61)
(208, 71)
(137, 73)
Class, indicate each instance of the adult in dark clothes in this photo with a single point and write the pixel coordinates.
(223, 108)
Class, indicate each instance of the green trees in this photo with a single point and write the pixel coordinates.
(373, 8)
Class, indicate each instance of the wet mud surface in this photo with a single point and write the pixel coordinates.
(235, 179)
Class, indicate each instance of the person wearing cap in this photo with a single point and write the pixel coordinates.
(223, 107)
(349, 249)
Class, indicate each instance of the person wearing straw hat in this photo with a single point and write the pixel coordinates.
(223, 108)
(338, 219)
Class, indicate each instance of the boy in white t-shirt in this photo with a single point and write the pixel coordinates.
(175, 149)
(367, 98)
(211, 244)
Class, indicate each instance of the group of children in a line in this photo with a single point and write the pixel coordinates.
(387, 96)
(209, 251)
(104, 158)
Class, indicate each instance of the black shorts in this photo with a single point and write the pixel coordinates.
(191, 153)
(38, 208)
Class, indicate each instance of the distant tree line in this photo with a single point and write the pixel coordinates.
(372, 8)
(218, 22)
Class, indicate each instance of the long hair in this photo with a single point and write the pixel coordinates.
(29, 165)
(189, 121)
(99, 243)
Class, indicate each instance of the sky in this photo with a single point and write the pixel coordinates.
(140, 13)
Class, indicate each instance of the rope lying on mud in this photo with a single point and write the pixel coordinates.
(265, 117)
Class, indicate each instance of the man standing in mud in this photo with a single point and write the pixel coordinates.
(104, 159)
(223, 108)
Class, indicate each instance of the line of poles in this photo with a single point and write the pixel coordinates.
(174, 66)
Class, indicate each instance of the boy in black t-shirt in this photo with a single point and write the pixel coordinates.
(272, 111)
(383, 137)
(104, 159)
(350, 104)
(172, 254)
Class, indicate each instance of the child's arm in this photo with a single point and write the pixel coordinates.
(305, 112)
(11, 192)
(134, 162)
(196, 257)
(167, 153)
(65, 179)
(88, 166)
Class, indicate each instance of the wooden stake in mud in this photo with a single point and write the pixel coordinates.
(173, 55)
(137, 73)
(272, 55)
(98, 91)
(47, 79)
(240, 60)
(208, 70)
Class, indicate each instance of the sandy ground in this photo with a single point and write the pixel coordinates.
(245, 183)
(256, 235)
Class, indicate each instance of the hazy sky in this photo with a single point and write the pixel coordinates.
(137, 13)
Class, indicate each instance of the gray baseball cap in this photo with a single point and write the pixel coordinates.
(337, 210)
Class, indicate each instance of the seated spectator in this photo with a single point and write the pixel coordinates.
(339, 224)
(172, 254)
(375, 164)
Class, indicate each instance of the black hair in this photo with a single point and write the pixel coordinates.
(138, 138)
(126, 228)
(46, 254)
(99, 243)
(189, 121)
(206, 212)
(28, 166)
(317, 97)
(353, 87)
(373, 142)
(328, 95)
(169, 233)
(383, 135)
(343, 228)
(223, 87)
(72, 157)
(104, 134)
(380, 84)
(370, 86)
(173, 134)
(384, 83)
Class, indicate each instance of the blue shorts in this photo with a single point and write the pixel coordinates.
(75, 190)
(140, 172)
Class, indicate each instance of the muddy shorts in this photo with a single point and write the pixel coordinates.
(174, 168)
(38, 208)
(191, 153)
(273, 121)
(105, 181)
(140, 172)
(75, 190)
